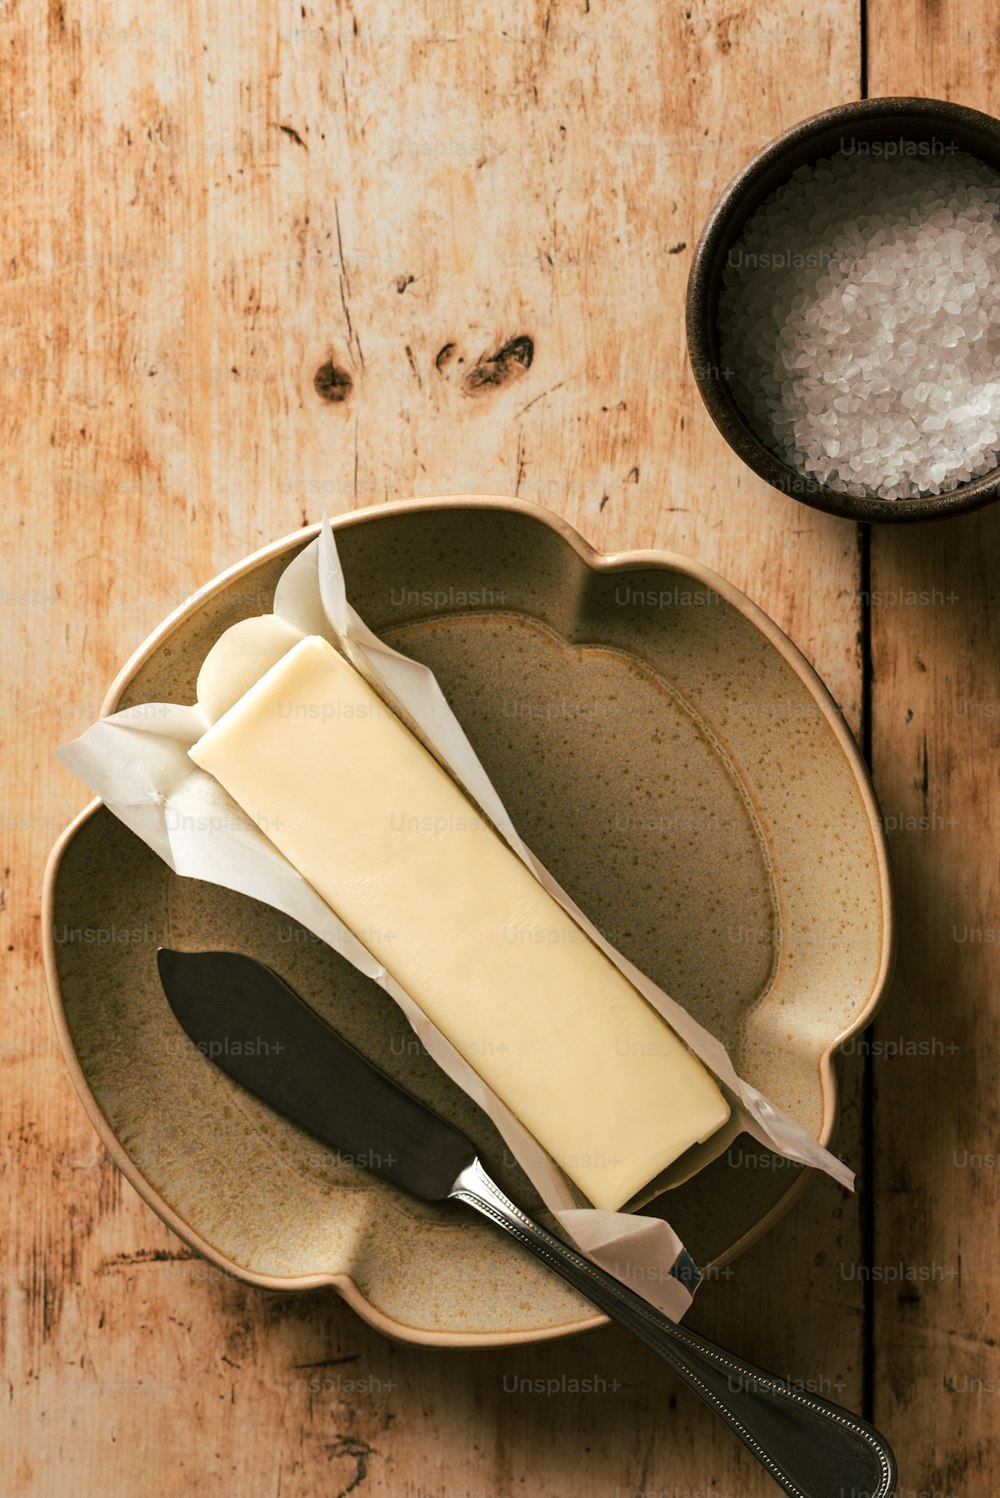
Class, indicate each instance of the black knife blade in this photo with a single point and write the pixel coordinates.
(243, 1017)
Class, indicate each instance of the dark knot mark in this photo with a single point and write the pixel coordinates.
(493, 370)
(332, 383)
(506, 364)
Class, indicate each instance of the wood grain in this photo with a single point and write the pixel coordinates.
(936, 716)
(270, 260)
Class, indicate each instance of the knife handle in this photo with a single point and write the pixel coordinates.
(810, 1447)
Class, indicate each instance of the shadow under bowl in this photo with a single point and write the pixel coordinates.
(933, 127)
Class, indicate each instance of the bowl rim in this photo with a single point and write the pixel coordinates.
(723, 410)
(598, 562)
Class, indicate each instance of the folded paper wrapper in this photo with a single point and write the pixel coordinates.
(137, 761)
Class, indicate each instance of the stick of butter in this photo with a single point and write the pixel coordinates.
(370, 819)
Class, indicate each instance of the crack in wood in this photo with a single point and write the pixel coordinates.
(350, 1357)
(356, 1450)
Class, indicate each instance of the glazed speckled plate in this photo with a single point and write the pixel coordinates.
(673, 760)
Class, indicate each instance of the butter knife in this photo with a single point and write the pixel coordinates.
(246, 1020)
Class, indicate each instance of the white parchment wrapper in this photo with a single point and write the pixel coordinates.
(137, 762)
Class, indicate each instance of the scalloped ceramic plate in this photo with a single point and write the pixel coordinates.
(664, 749)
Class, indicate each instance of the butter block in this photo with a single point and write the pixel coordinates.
(239, 658)
(356, 803)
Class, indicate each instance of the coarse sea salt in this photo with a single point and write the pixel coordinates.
(859, 323)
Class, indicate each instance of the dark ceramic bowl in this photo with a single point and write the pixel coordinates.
(939, 127)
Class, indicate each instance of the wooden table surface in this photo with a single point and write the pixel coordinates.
(255, 258)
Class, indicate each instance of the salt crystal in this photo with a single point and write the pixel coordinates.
(888, 314)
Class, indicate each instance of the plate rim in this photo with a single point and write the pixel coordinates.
(598, 562)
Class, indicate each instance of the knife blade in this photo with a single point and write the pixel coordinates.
(243, 1017)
